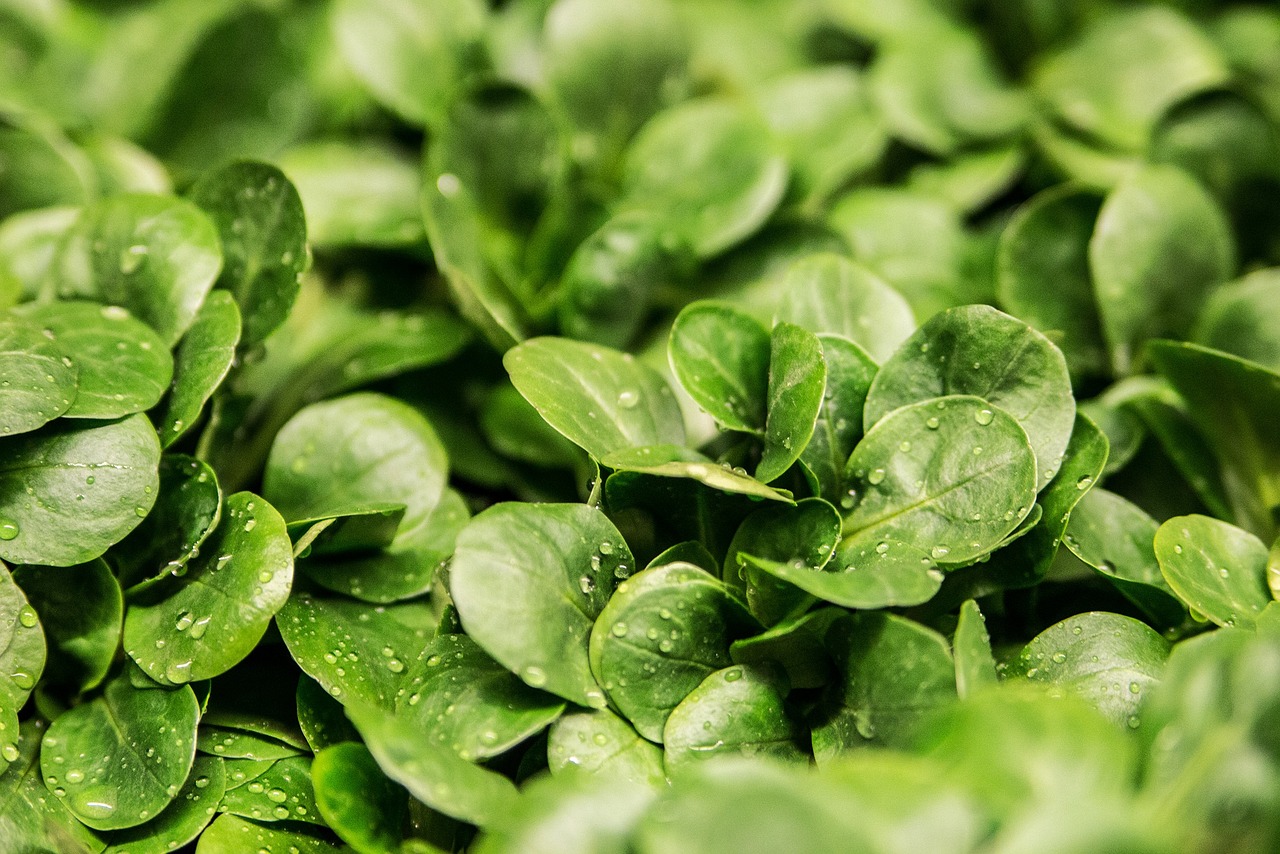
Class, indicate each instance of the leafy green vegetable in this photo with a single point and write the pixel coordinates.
(39, 379)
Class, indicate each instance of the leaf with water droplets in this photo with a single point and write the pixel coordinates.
(105, 756)
(975, 665)
(721, 356)
(806, 534)
(977, 350)
(468, 702)
(231, 834)
(214, 614)
(244, 735)
(870, 701)
(676, 462)
(797, 380)
(598, 398)
(22, 660)
(604, 744)
(282, 791)
(122, 366)
(183, 820)
(1108, 660)
(264, 240)
(356, 799)
(32, 818)
(202, 360)
(37, 382)
(1216, 568)
(528, 581)
(839, 425)
(661, 634)
(81, 612)
(432, 774)
(1115, 536)
(740, 711)
(72, 489)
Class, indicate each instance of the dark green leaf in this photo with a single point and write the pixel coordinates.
(81, 612)
(1216, 568)
(797, 380)
(604, 744)
(22, 660)
(186, 512)
(738, 710)
(201, 362)
(361, 805)
(722, 358)
(37, 379)
(839, 424)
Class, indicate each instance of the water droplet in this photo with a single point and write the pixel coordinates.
(199, 627)
(733, 674)
(904, 446)
(27, 617)
(140, 512)
(1060, 657)
(250, 525)
(1134, 722)
(395, 665)
(932, 423)
(627, 399)
(202, 782)
(587, 584)
(606, 548)
(277, 796)
(535, 676)
(8, 529)
(939, 552)
(876, 476)
(179, 673)
(10, 753)
(1177, 550)
(984, 416)
(1135, 688)
(75, 776)
(619, 629)
(185, 619)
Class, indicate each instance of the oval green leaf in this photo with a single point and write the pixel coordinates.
(1216, 568)
(797, 380)
(739, 710)
(721, 355)
(37, 379)
(200, 363)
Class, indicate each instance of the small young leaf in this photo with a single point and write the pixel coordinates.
(200, 363)
(1216, 568)
(604, 744)
(37, 378)
(797, 379)
(721, 356)
(975, 665)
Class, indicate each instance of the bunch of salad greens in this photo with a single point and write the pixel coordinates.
(645, 426)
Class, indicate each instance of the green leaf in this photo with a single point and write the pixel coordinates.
(361, 450)
(529, 581)
(912, 581)
(805, 534)
(1238, 318)
(954, 474)
(870, 701)
(81, 611)
(470, 703)
(320, 717)
(231, 834)
(413, 57)
(433, 775)
(797, 380)
(30, 243)
(600, 742)
(610, 65)
(599, 399)
(30, 815)
(1115, 536)
(356, 800)
(155, 256)
(977, 350)
(339, 643)
(22, 660)
(796, 645)
(674, 462)
(738, 710)
(356, 194)
(36, 384)
(1115, 80)
(260, 222)
(710, 167)
(1047, 240)
(1160, 244)
(1233, 403)
(280, 792)
(113, 466)
(1215, 567)
(369, 528)
(97, 754)
(121, 365)
(1186, 448)
(663, 632)
(826, 122)
(721, 356)
(1108, 660)
(202, 360)
(183, 820)
(241, 735)
(975, 665)
(187, 510)
(42, 167)
(973, 180)
(839, 426)
(213, 615)
(515, 429)
(826, 293)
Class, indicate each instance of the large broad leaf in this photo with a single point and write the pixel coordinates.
(1233, 403)
(870, 701)
(202, 623)
(1108, 660)
(231, 834)
(711, 169)
(600, 399)
(201, 362)
(22, 658)
(610, 65)
(739, 710)
(1161, 242)
(662, 633)
(529, 581)
(81, 612)
(1115, 536)
(264, 240)
(37, 378)
(470, 703)
(413, 56)
(980, 351)
(356, 799)
(68, 493)
(121, 365)
(826, 293)
(942, 480)
(183, 820)
(721, 356)
(1216, 568)
(104, 761)
(341, 644)
(156, 256)
(604, 744)
(386, 452)
(1047, 240)
(434, 775)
